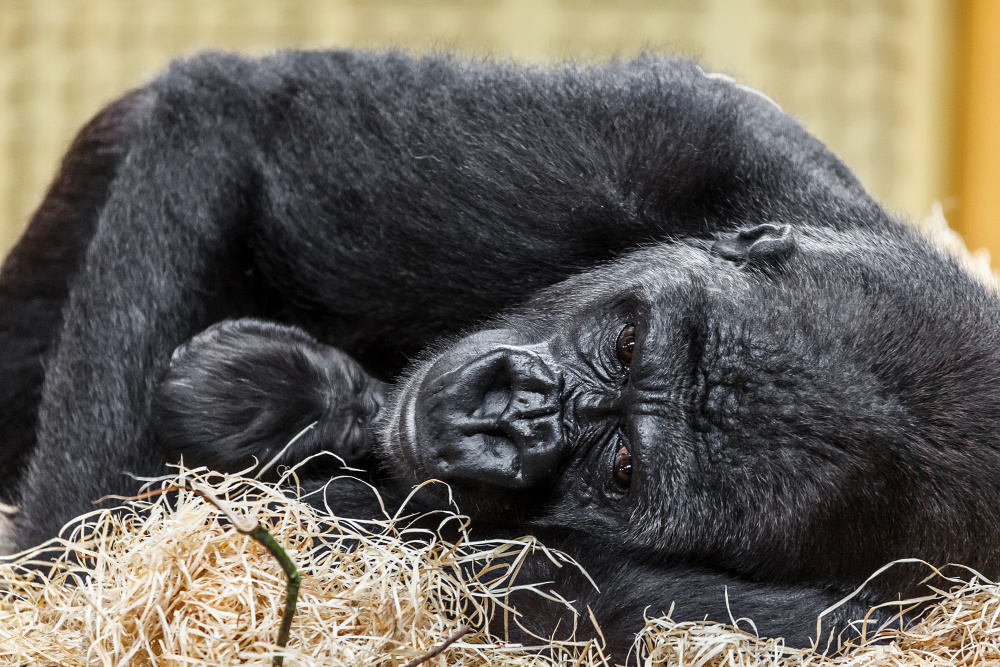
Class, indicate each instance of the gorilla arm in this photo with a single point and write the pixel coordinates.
(36, 276)
(164, 249)
(631, 589)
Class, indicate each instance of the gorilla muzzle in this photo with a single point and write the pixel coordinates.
(491, 415)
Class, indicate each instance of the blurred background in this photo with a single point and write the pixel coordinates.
(907, 92)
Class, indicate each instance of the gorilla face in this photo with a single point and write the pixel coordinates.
(758, 398)
(555, 402)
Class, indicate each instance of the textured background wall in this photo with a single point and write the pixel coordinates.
(870, 77)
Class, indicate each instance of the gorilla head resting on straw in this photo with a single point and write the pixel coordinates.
(632, 309)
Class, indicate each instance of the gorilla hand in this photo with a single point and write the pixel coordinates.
(241, 390)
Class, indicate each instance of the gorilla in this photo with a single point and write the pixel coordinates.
(633, 309)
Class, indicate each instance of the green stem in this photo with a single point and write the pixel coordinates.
(291, 589)
(250, 526)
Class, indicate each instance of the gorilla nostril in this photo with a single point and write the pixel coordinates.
(496, 395)
(494, 440)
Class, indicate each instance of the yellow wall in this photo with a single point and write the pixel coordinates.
(870, 78)
(977, 212)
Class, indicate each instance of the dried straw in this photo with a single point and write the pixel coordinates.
(960, 627)
(168, 580)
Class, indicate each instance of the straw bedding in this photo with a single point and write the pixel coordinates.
(169, 580)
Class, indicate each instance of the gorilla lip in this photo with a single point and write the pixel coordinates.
(403, 426)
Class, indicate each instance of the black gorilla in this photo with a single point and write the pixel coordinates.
(656, 323)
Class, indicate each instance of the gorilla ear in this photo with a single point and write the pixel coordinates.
(767, 243)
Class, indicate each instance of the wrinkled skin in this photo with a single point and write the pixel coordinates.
(633, 309)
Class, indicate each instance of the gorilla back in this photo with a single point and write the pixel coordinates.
(717, 349)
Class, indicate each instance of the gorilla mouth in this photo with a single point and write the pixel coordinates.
(402, 445)
(409, 446)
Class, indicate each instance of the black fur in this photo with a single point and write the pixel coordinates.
(813, 388)
(234, 393)
(34, 282)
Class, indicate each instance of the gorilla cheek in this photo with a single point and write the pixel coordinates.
(490, 417)
(666, 481)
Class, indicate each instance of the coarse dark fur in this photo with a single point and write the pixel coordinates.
(813, 387)
(231, 397)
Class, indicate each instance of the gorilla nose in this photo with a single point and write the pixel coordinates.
(494, 420)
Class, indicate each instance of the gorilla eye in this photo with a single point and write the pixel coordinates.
(626, 345)
(623, 466)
